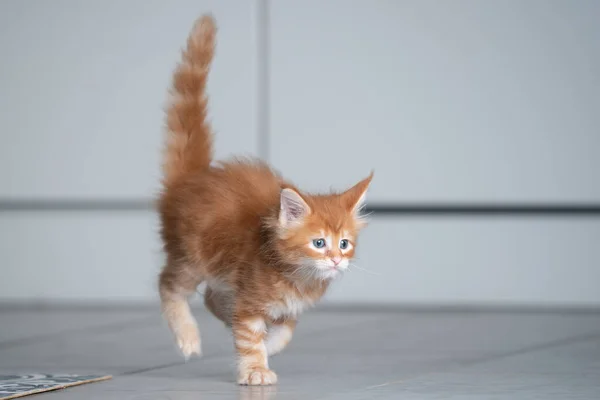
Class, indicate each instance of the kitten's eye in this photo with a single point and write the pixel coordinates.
(319, 243)
(343, 244)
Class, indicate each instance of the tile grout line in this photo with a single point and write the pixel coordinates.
(96, 329)
(196, 359)
(157, 367)
(534, 348)
(498, 356)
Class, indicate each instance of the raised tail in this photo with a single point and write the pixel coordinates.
(189, 137)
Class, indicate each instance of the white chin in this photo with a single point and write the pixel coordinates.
(327, 274)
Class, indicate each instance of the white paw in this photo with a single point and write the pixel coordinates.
(257, 376)
(188, 340)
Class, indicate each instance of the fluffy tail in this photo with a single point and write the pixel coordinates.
(189, 140)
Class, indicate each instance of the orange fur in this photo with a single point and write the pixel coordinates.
(242, 229)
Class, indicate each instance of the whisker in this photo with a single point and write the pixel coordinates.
(364, 269)
(366, 214)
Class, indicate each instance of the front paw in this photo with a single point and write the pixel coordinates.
(257, 376)
(188, 340)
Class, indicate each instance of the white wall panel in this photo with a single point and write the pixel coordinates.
(83, 85)
(475, 261)
(98, 256)
(108, 257)
(461, 101)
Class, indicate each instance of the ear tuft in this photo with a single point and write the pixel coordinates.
(293, 207)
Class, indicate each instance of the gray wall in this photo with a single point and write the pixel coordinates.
(463, 101)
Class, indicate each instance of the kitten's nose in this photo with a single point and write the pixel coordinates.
(336, 260)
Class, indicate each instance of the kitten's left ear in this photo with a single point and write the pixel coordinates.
(355, 197)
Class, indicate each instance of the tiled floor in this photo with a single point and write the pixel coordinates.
(335, 355)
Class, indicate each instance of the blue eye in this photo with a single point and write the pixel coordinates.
(343, 244)
(319, 243)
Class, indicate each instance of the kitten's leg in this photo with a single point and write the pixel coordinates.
(219, 304)
(176, 285)
(253, 368)
(279, 335)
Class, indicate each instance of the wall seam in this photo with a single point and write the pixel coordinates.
(263, 79)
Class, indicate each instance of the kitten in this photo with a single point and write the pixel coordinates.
(266, 250)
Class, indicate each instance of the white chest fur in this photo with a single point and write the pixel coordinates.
(290, 306)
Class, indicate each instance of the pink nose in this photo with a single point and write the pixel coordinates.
(336, 260)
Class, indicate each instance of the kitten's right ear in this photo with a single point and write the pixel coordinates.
(355, 196)
(293, 207)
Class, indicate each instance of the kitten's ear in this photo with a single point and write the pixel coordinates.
(355, 197)
(293, 207)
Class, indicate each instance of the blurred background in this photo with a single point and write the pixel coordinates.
(480, 118)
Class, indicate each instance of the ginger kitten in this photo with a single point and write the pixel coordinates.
(266, 250)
